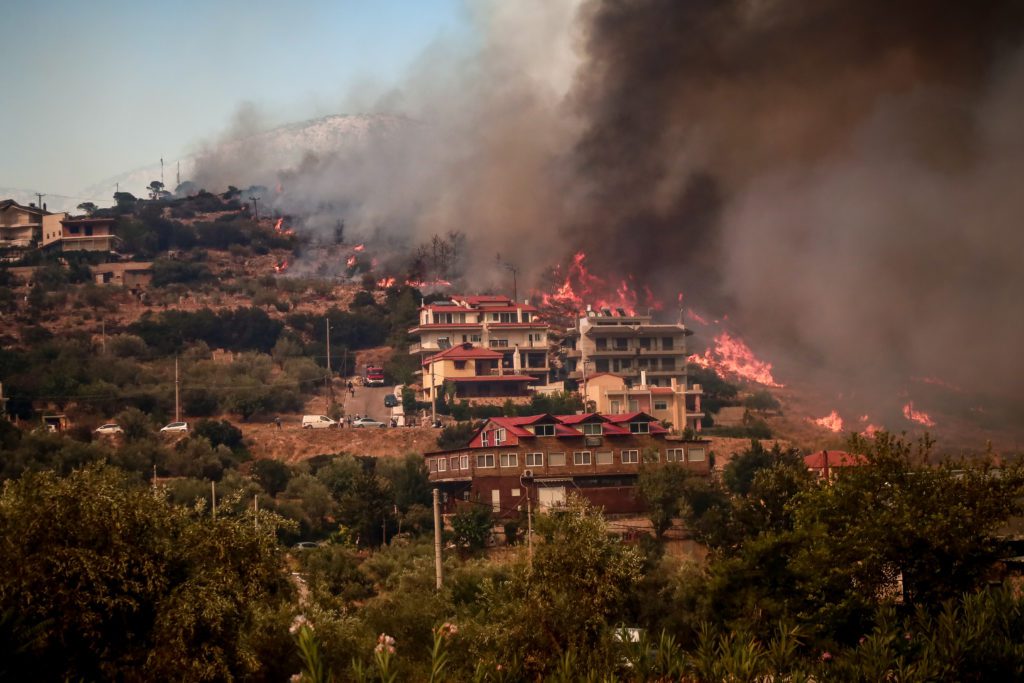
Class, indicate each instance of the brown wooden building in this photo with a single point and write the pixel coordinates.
(541, 458)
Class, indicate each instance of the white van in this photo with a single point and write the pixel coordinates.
(317, 422)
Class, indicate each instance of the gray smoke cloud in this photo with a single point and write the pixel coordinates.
(838, 176)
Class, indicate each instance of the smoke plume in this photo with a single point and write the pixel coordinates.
(838, 176)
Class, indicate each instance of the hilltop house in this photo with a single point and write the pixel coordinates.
(542, 457)
(474, 373)
(21, 227)
(676, 405)
(80, 234)
(494, 323)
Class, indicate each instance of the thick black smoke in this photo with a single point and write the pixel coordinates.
(838, 175)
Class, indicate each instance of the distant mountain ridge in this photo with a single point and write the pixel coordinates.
(283, 146)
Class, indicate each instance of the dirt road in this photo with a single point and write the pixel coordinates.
(291, 443)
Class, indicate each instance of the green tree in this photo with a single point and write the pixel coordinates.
(661, 486)
(272, 475)
(87, 207)
(471, 527)
(112, 579)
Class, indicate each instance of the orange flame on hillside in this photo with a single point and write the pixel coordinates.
(351, 261)
(279, 230)
(386, 282)
(359, 247)
(281, 266)
(732, 356)
(581, 287)
(871, 430)
(918, 416)
(831, 422)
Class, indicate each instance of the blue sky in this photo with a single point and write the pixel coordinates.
(97, 88)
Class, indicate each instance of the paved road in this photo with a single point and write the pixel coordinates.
(368, 401)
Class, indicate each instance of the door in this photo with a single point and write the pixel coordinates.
(496, 500)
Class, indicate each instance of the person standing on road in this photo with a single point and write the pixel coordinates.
(277, 421)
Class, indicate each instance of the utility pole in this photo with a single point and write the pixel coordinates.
(384, 530)
(177, 176)
(529, 527)
(161, 171)
(40, 196)
(255, 206)
(177, 393)
(438, 567)
(330, 383)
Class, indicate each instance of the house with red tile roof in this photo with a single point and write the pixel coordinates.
(496, 323)
(472, 373)
(537, 460)
(827, 464)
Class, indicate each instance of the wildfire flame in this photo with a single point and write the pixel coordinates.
(730, 355)
(359, 247)
(351, 261)
(386, 282)
(581, 287)
(831, 422)
(278, 229)
(281, 266)
(918, 416)
(871, 430)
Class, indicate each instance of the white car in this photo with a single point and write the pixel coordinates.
(109, 428)
(367, 422)
(175, 427)
(318, 422)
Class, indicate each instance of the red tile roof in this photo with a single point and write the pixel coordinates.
(823, 459)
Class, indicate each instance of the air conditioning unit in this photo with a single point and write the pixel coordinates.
(527, 474)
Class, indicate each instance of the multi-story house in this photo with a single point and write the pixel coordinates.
(512, 460)
(675, 404)
(20, 226)
(474, 373)
(649, 358)
(80, 234)
(495, 323)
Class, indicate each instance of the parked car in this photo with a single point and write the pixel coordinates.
(305, 545)
(367, 422)
(390, 400)
(318, 422)
(175, 427)
(109, 428)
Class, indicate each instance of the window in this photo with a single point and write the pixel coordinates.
(634, 405)
(499, 436)
(506, 317)
(515, 493)
(460, 365)
(601, 365)
(621, 344)
(454, 463)
(639, 428)
(602, 344)
(474, 338)
(593, 429)
(556, 459)
(432, 465)
(581, 458)
(661, 405)
(464, 461)
(630, 457)
(616, 407)
(509, 460)
(674, 455)
(666, 343)
(442, 465)
(544, 430)
(485, 460)
(605, 458)
(696, 455)
(535, 460)
(500, 343)
(484, 439)
(668, 363)
(645, 343)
